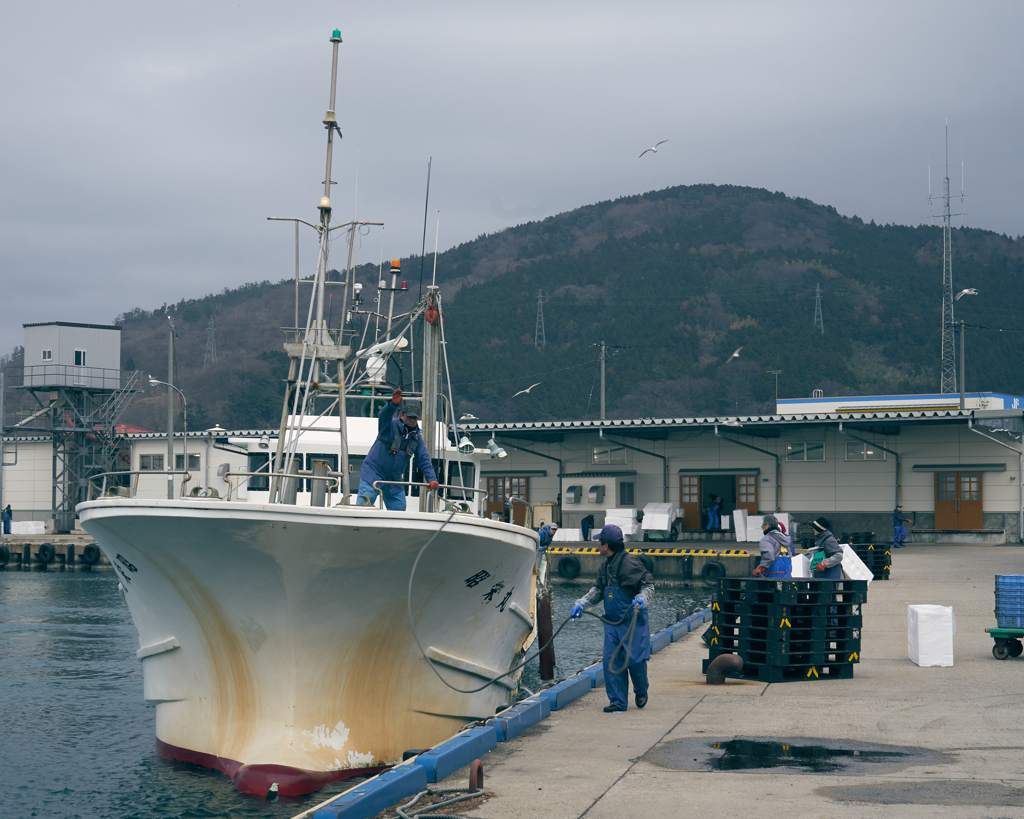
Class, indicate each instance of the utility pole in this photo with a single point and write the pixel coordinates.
(819, 324)
(170, 408)
(776, 374)
(538, 335)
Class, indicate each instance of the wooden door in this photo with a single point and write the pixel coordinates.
(746, 493)
(689, 500)
(958, 500)
(500, 489)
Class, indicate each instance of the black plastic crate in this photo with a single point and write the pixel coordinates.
(783, 621)
(793, 673)
(816, 658)
(721, 632)
(847, 645)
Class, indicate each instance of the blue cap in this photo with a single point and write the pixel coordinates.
(611, 533)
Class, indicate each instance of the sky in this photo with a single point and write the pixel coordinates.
(143, 145)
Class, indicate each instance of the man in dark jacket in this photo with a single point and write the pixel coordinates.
(547, 534)
(398, 441)
(829, 567)
(624, 585)
(899, 534)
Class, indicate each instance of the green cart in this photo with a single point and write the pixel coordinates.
(1008, 642)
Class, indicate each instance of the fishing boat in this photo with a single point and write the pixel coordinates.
(290, 637)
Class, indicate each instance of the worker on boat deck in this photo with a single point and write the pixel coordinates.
(398, 441)
(624, 585)
(547, 534)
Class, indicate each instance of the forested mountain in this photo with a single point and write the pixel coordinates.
(673, 281)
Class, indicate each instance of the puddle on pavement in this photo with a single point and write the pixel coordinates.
(818, 756)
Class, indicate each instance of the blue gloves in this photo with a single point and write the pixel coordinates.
(576, 612)
(638, 602)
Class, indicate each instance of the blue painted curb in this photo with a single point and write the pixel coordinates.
(377, 794)
(660, 640)
(679, 630)
(515, 720)
(457, 752)
(565, 692)
(596, 674)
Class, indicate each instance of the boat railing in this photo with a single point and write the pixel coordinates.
(134, 474)
(333, 479)
(436, 500)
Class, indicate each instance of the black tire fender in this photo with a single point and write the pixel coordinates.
(46, 553)
(569, 567)
(5, 555)
(713, 570)
(91, 554)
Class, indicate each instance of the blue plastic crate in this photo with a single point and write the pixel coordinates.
(1009, 620)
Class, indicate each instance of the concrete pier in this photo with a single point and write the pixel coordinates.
(68, 550)
(967, 720)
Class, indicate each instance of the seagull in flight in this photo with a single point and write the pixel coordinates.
(468, 417)
(736, 354)
(521, 392)
(654, 149)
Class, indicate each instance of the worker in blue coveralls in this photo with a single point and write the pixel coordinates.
(398, 441)
(547, 534)
(624, 585)
(899, 534)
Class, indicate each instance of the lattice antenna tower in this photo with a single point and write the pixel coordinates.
(538, 335)
(948, 373)
(211, 346)
(819, 323)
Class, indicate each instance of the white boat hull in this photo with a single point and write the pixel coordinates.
(275, 639)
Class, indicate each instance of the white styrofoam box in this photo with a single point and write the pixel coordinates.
(567, 536)
(659, 516)
(615, 515)
(633, 537)
(853, 567)
(724, 523)
(930, 631)
(801, 566)
(739, 517)
(28, 527)
(754, 535)
(755, 522)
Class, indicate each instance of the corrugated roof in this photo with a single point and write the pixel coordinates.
(729, 422)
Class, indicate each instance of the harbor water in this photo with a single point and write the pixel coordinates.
(77, 740)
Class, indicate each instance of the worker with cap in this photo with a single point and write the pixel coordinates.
(398, 442)
(775, 550)
(547, 534)
(827, 567)
(899, 534)
(626, 587)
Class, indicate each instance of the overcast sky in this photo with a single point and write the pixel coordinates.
(144, 144)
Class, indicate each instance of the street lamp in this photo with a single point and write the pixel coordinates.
(970, 291)
(154, 382)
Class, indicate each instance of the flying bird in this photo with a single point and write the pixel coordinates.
(654, 149)
(468, 417)
(736, 354)
(528, 388)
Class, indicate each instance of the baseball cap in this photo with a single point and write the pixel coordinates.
(611, 534)
(411, 409)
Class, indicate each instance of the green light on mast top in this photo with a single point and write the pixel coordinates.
(336, 36)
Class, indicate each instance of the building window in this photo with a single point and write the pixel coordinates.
(805, 451)
(193, 461)
(626, 493)
(47, 355)
(861, 451)
(79, 358)
(609, 454)
(151, 462)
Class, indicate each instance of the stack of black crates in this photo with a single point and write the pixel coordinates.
(786, 630)
(876, 556)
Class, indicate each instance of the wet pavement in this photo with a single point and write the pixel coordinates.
(894, 740)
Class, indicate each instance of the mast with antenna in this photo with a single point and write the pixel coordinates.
(948, 362)
(819, 323)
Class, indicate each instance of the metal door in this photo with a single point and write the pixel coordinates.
(946, 515)
(969, 500)
(500, 489)
(689, 500)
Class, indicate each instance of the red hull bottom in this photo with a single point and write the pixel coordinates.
(257, 779)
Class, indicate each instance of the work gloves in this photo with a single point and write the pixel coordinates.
(820, 567)
(396, 397)
(759, 571)
(638, 602)
(576, 612)
(434, 485)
